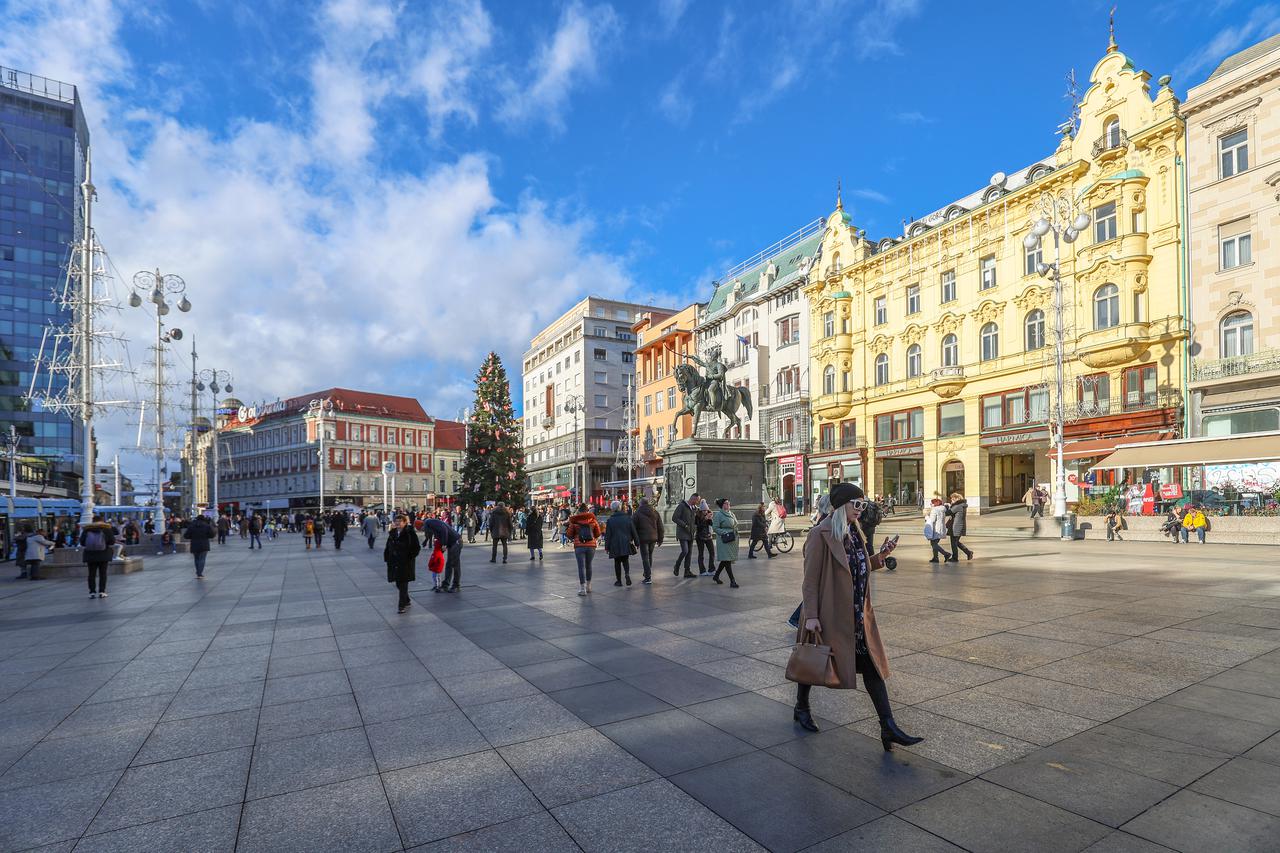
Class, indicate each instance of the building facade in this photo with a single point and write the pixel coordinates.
(577, 375)
(1233, 156)
(758, 316)
(269, 454)
(933, 351)
(451, 455)
(43, 141)
(662, 342)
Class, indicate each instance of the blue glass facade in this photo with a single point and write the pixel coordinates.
(43, 138)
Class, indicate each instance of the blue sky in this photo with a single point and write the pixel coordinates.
(374, 193)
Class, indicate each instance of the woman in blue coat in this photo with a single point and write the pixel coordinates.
(619, 540)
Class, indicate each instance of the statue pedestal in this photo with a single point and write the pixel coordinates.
(714, 468)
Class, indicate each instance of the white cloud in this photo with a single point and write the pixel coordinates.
(674, 102)
(462, 33)
(670, 12)
(1263, 22)
(877, 29)
(568, 59)
(396, 282)
(870, 195)
(913, 117)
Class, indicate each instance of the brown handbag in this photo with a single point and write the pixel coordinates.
(812, 662)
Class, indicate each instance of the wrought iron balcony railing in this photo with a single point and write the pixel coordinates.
(1239, 365)
(1108, 141)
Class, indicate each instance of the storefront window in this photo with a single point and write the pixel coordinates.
(1236, 423)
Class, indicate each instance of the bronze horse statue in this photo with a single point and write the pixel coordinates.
(696, 400)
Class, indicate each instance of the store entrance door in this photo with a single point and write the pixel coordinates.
(1011, 476)
(789, 492)
(902, 480)
(953, 478)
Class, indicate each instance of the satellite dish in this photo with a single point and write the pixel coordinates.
(999, 179)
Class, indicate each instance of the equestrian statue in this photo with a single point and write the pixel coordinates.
(709, 393)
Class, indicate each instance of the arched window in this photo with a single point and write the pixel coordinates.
(1237, 334)
(913, 361)
(829, 380)
(950, 351)
(882, 369)
(1106, 307)
(1034, 326)
(990, 342)
(1111, 133)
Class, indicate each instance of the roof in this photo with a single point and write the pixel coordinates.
(1236, 60)
(349, 402)
(787, 262)
(450, 435)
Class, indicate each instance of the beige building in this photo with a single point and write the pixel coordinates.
(1233, 156)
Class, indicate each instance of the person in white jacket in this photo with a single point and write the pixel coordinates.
(935, 527)
(37, 550)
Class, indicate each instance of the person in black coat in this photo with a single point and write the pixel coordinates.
(96, 541)
(759, 533)
(706, 543)
(649, 532)
(619, 539)
(685, 519)
(400, 553)
(338, 524)
(533, 532)
(198, 533)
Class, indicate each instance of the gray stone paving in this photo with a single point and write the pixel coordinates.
(1073, 697)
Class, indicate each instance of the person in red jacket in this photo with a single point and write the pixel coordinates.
(584, 532)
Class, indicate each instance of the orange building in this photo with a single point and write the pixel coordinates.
(661, 339)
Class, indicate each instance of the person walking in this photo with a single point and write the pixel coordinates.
(255, 531)
(1033, 502)
(583, 530)
(224, 527)
(533, 532)
(338, 524)
(198, 533)
(935, 527)
(37, 550)
(499, 530)
(620, 541)
(705, 539)
(308, 530)
(649, 534)
(685, 518)
(1194, 519)
(724, 526)
(957, 514)
(759, 533)
(837, 606)
(450, 540)
(96, 540)
(370, 527)
(319, 529)
(400, 553)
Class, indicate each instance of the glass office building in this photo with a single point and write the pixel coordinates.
(43, 138)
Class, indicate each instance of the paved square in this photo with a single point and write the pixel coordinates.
(1072, 696)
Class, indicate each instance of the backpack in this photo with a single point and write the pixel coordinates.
(872, 515)
(95, 541)
(585, 533)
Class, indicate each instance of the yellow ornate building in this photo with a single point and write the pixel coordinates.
(933, 354)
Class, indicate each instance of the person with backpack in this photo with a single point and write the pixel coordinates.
(583, 530)
(198, 533)
(95, 541)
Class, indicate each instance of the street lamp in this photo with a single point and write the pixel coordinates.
(217, 382)
(320, 410)
(1061, 217)
(574, 405)
(158, 286)
(11, 444)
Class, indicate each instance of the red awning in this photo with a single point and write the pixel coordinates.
(1088, 448)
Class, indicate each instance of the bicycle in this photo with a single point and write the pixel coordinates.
(781, 541)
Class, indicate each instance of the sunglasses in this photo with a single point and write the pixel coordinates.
(859, 504)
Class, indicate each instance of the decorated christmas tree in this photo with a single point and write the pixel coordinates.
(494, 469)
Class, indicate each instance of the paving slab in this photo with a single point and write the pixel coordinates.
(575, 766)
(346, 816)
(1189, 821)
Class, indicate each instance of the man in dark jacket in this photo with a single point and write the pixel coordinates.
(499, 530)
(400, 553)
(686, 530)
(198, 534)
(649, 534)
(255, 530)
(451, 542)
(224, 527)
(97, 540)
(338, 524)
(759, 533)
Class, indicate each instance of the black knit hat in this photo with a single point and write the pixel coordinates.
(720, 503)
(842, 493)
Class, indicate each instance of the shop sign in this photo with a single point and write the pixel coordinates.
(799, 473)
(907, 450)
(1170, 491)
(1003, 438)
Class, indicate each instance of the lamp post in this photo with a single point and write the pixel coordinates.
(11, 442)
(1061, 217)
(158, 286)
(320, 410)
(573, 404)
(217, 382)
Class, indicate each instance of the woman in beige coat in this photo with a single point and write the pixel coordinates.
(837, 603)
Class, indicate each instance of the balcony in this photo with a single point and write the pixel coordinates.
(1109, 142)
(786, 397)
(1207, 370)
(1142, 401)
(1114, 346)
(792, 442)
(844, 442)
(947, 382)
(833, 406)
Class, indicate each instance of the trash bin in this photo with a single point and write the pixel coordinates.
(1069, 526)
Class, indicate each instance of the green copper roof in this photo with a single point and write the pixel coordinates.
(787, 263)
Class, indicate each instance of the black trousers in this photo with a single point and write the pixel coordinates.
(725, 566)
(371, 537)
(222, 538)
(453, 566)
(622, 565)
(957, 547)
(403, 586)
(337, 540)
(100, 571)
(710, 550)
(494, 555)
(870, 678)
(646, 558)
(764, 543)
(686, 555)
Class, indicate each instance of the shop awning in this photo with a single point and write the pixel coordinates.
(1218, 450)
(1090, 447)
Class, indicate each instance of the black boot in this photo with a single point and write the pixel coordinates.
(891, 734)
(805, 719)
